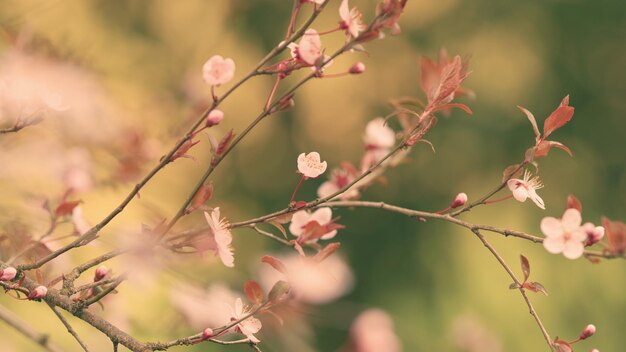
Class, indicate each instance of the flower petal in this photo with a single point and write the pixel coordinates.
(299, 219)
(554, 245)
(571, 220)
(551, 227)
(573, 249)
(536, 199)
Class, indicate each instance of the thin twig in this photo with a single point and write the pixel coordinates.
(68, 326)
(16, 323)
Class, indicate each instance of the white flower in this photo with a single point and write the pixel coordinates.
(249, 326)
(310, 165)
(223, 237)
(309, 49)
(339, 179)
(350, 19)
(217, 70)
(378, 139)
(300, 218)
(526, 188)
(564, 235)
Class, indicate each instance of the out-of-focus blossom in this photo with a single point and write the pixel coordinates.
(373, 331)
(217, 70)
(249, 326)
(77, 173)
(459, 200)
(310, 165)
(350, 20)
(318, 2)
(80, 224)
(378, 139)
(587, 332)
(357, 68)
(8, 273)
(470, 335)
(221, 239)
(340, 178)
(301, 218)
(311, 281)
(527, 188)
(564, 235)
(204, 308)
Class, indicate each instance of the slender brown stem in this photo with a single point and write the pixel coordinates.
(16, 323)
(68, 327)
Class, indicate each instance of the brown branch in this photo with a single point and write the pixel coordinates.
(68, 327)
(16, 323)
(519, 286)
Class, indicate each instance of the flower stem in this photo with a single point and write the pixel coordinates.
(293, 196)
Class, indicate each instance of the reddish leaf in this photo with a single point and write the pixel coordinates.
(615, 232)
(452, 106)
(66, 208)
(562, 346)
(327, 251)
(183, 149)
(275, 263)
(204, 193)
(313, 230)
(533, 122)
(278, 292)
(544, 147)
(225, 142)
(535, 287)
(279, 227)
(573, 202)
(525, 267)
(253, 291)
(558, 117)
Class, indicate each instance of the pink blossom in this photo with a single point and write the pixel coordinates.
(309, 50)
(588, 331)
(565, 234)
(214, 118)
(340, 178)
(350, 20)
(249, 326)
(373, 331)
(527, 188)
(222, 237)
(378, 139)
(217, 70)
(594, 233)
(301, 218)
(311, 281)
(357, 68)
(204, 307)
(310, 165)
(38, 293)
(459, 200)
(8, 273)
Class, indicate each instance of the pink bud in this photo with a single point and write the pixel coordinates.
(594, 233)
(214, 118)
(595, 350)
(460, 200)
(588, 331)
(357, 68)
(207, 333)
(38, 293)
(101, 272)
(7, 274)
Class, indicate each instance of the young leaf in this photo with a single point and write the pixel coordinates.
(205, 192)
(327, 251)
(275, 263)
(533, 122)
(253, 291)
(279, 227)
(277, 293)
(66, 208)
(525, 267)
(225, 142)
(558, 117)
(535, 287)
(573, 202)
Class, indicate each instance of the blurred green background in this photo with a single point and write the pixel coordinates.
(139, 63)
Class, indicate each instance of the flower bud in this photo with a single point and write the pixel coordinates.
(101, 272)
(207, 333)
(594, 233)
(357, 68)
(588, 331)
(460, 200)
(214, 118)
(595, 350)
(38, 293)
(7, 274)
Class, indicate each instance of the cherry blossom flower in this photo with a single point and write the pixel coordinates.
(222, 237)
(310, 280)
(8, 273)
(564, 235)
(378, 139)
(527, 188)
(217, 70)
(350, 20)
(204, 307)
(340, 178)
(373, 331)
(249, 326)
(309, 49)
(301, 218)
(310, 165)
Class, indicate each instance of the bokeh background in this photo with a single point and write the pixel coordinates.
(133, 72)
